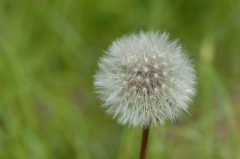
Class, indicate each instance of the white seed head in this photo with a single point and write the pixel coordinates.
(156, 82)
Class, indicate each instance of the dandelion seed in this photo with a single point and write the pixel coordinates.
(145, 69)
(144, 90)
(163, 86)
(147, 81)
(164, 73)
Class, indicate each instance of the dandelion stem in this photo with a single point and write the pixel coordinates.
(144, 142)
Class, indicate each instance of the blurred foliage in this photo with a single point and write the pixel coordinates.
(48, 55)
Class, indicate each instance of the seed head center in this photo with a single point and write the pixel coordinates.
(145, 80)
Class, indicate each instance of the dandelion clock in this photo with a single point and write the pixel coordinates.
(145, 79)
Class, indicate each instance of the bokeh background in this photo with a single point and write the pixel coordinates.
(48, 54)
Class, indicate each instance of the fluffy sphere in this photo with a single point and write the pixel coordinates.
(145, 79)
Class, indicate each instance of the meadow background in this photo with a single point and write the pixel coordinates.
(48, 54)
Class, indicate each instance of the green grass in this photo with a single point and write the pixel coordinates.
(48, 55)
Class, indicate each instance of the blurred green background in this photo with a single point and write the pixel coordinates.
(48, 54)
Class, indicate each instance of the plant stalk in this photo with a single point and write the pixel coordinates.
(144, 143)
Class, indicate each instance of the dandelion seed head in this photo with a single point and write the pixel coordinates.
(145, 79)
